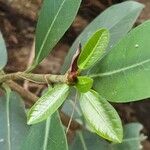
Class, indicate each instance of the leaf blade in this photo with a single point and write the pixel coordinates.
(15, 120)
(124, 72)
(48, 103)
(118, 26)
(3, 52)
(49, 31)
(47, 135)
(101, 116)
(93, 49)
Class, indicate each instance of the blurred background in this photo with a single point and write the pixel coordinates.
(18, 20)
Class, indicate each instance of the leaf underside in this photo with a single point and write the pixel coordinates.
(13, 127)
(47, 135)
(3, 52)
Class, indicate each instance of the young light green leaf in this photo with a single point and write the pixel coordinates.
(13, 127)
(48, 103)
(124, 74)
(84, 83)
(47, 135)
(93, 49)
(118, 19)
(101, 116)
(3, 53)
(54, 20)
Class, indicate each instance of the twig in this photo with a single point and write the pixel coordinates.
(36, 78)
(31, 99)
(71, 117)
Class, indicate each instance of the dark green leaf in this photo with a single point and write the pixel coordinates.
(55, 18)
(118, 19)
(48, 103)
(85, 140)
(93, 49)
(13, 127)
(3, 53)
(84, 83)
(47, 135)
(124, 74)
(132, 140)
(101, 116)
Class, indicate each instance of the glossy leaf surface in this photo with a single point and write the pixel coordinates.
(118, 19)
(48, 103)
(54, 20)
(124, 74)
(3, 52)
(93, 50)
(101, 116)
(47, 135)
(84, 83)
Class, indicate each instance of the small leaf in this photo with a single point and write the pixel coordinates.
(47, 135)
(48, 103)
(116, 19)
(93, 49)
(124, 74)
(3, 53)
(13, 127)
(55, 18)
(84, 83)
(101, 116)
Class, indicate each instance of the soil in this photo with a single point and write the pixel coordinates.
(18, 20)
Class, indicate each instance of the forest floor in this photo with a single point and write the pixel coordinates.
(18, 20)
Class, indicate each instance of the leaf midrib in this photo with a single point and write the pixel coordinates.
(49, 30)
(62, 91)
(95, 47)
(109, 73)
(101, 116)
(8, 118)
(47, 128)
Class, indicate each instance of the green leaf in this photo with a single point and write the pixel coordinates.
(123, 75)
(84, 83)
(93, 49)
(85, 140)
(13, 127)
(131, 141)
(47, 135)
(132, 138)
(3, 53)
(101, 116)
(54, 20)
(48, 103)
(118, 19)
